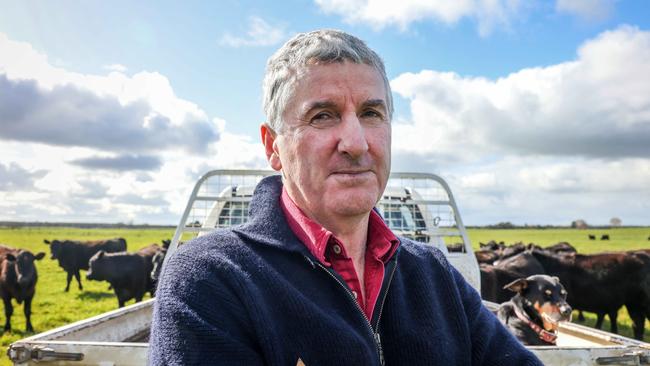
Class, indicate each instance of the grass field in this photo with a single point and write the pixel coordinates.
(52, 307)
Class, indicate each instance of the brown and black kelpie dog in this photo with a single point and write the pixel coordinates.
(532, 315)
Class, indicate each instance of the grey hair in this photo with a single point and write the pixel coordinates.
(305, 49)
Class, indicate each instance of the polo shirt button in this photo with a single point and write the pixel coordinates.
(336, 248)
(354, 293)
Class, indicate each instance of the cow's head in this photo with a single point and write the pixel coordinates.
(55, 248)
(157, 261)
(25, 269)
(96, 269)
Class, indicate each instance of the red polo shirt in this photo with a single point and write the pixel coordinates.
(330, 252)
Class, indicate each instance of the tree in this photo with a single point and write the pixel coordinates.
(615, 221)
(579, 224)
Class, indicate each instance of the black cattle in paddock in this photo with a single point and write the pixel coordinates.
(516, 248)
(486, 256)
(638, 304)
(18, 277)
(592, 237)
(523, 263)
(599, 283)
(562, 247)
(492, 245)
(126, 272)
(157, 262)
(495, 277)
(73, 255)
(604, 237)
(511, 250)
(456, 248)
(149, 253)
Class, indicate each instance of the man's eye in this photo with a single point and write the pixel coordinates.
(323, 119)
(372, 114)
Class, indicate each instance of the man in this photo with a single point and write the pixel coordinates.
(315, 277)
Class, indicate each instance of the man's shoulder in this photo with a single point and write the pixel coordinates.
(422, 255)
(217, 241)
(219, 251)
(421, 250)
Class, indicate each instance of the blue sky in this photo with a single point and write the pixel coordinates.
(535, 111)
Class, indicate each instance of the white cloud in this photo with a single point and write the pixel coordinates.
(560, 142)
(523, 190)
(382, 13)
(116, 67)
(101, 148)
(595, 106)
(259, 33)
(26, 63)
(15, 177)
(593, 10)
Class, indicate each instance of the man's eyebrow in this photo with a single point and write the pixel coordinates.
(325, 104)
(319, 104)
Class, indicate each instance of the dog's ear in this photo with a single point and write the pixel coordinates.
(556, 279)
(517, 285)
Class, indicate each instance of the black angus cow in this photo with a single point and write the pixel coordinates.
(456, 248)
(126, 272)
(492, 245)
(18, 278)
(638, 304)
(149, 253)
(493, 279)
(74, 255)
(516, 248)
(599, 283)
(562, 247)
(604, 237)
(486, 256)
(157, 262)
(592, 237)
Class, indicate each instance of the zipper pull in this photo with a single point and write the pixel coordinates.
(380, 349)
(313, 265)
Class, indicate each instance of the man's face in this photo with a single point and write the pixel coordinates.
(334, 149)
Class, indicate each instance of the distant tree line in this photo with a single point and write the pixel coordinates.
(83, 225)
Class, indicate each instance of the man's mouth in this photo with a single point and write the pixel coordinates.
(351, 171)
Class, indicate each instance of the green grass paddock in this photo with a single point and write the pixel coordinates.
(52, 307)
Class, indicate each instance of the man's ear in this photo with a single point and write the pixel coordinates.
(268, 139)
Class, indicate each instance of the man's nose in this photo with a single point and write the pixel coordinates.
(352, 139)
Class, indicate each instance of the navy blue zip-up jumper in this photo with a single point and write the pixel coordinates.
(254, 295)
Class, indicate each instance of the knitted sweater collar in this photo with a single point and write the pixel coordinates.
(266, 223)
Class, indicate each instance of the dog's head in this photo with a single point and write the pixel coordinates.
(544, 295)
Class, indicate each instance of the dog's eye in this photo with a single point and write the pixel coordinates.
(548, 293)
